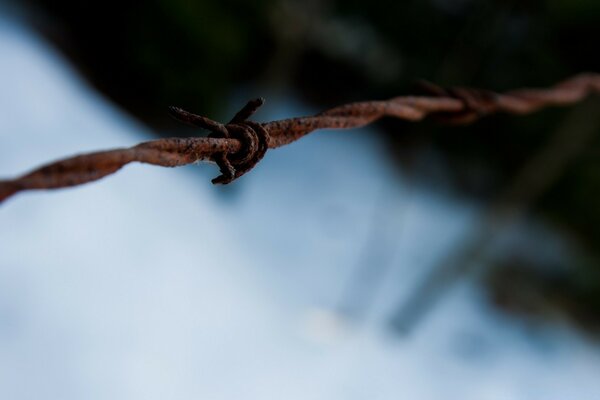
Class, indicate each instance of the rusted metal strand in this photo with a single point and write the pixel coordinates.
(239, 145)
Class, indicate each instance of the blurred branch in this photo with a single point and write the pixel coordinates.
(538, 174)
(239, 145)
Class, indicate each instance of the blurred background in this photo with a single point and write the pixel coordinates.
(396, 260)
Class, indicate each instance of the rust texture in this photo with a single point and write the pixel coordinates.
(236, 147)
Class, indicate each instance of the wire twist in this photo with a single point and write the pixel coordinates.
(254, 139)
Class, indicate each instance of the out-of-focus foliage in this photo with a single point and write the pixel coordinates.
(145, 55)
(148, 54)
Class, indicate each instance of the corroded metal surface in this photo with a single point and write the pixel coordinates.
(239, 145)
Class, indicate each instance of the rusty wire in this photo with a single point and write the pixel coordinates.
(238, 146)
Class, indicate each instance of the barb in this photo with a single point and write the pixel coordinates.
(238, 146)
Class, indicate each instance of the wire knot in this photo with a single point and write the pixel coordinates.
(477, 103)
(252, 135)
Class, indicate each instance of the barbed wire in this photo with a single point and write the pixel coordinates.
(236, 147)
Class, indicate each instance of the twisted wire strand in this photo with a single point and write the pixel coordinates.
(239, 145)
